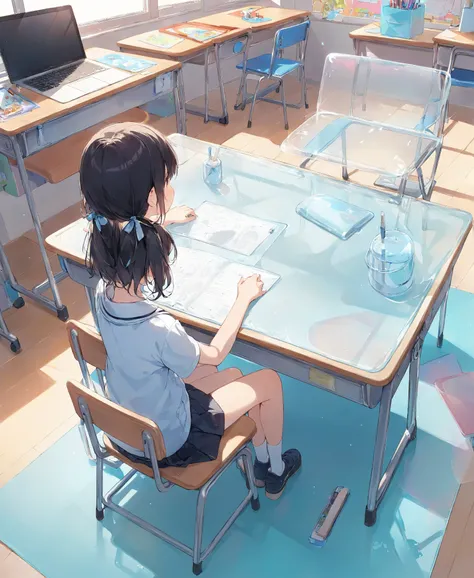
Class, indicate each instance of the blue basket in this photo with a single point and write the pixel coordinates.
(467, 20)
(399, 23)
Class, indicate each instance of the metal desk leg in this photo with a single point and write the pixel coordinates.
(356, 47)
(178, 105)
(379, 451)
(225, 114)
(379, 483)
(442, 320)
(435, 55)
(36, 293)
(182, 99)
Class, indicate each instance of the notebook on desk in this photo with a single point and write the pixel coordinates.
(43, 51)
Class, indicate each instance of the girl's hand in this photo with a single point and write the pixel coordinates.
(179, 215)
(250, 288)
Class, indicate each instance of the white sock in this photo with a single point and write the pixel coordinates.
(276, 463)
(261, 452)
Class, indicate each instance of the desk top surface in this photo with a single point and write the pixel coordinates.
(185, 49)
(450, 37)
(49, 109)
(323, 309)
(278, 17)
(371, 33)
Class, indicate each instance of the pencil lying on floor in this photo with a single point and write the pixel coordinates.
(328, 516)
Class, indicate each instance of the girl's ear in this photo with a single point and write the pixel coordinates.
(153, 207)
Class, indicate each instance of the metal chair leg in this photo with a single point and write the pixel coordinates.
(198, 528)
(99, 478)
(345, 173)
(303, 82)
(283, 102)
(252, 106)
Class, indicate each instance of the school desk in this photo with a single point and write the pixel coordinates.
(458, 44)
(52, 122)
(200, 53)
(322, 323)
(370, 34)
(264, 30)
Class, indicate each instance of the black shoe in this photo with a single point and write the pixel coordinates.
(274, 485)
(260, 471)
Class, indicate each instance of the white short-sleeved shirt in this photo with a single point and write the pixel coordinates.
(148, 356)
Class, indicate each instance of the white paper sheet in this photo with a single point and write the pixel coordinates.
(205, 285)
(226, 228)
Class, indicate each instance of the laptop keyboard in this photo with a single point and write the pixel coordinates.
(67, 74)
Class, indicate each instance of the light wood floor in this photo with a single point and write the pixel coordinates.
(35, 410)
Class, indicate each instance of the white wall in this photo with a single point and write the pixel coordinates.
(325, 37)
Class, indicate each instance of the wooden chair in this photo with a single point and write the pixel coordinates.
(95, 409)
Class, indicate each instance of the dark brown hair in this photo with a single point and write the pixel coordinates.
(119, 168)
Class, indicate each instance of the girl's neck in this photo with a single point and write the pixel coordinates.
(121, 295)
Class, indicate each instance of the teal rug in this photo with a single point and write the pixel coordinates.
(47, 513)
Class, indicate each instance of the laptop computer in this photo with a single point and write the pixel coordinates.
(43, 51)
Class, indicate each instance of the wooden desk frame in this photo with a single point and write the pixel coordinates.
(365, 388)
(21, 137)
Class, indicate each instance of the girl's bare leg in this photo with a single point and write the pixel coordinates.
(258, 394)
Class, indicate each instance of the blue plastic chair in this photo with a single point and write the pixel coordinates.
(274, 66)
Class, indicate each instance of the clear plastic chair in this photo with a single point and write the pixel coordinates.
(275, 67)
(379, 116)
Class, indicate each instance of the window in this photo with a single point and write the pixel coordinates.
(87, 11)
(101, 15)
(5, 7)
(439, 13)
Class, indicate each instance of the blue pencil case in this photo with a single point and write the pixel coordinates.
(334, 215)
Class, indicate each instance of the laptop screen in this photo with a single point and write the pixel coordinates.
(34, 42)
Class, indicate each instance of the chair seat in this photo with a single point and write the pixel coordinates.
(261, 65)
(462, 77)
(370, 146)
(195, 476)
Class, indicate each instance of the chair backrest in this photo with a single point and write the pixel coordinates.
(291, 35)
(92, 348)
(115, 420)
(392, 93)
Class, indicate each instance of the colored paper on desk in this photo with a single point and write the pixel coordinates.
(125, 62)
(14, 104)
(257, 19)
(200, 33)
(205, 285)
(228, 229)
(162, 40)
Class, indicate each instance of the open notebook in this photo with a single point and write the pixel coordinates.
(222, 227)
(205, 285)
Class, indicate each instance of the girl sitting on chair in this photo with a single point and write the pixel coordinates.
(154, 367)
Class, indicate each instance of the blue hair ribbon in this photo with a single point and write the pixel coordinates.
(134, 223)
(99, 220)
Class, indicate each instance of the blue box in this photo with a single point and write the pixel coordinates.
(467, 20)
(400, 23)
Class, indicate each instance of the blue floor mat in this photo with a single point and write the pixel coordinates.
(47, 512)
